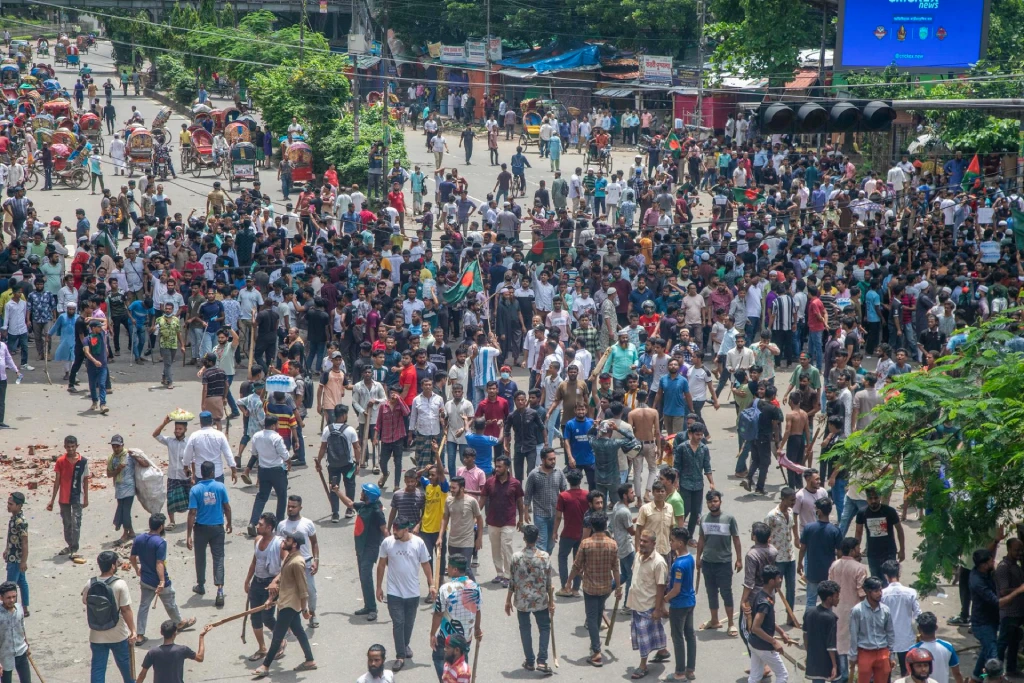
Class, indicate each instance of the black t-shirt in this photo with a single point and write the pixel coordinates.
(819, 639)
(317, 321)
(762, 603)
(168, 662)
(267, 322)
(440, 357)
(769, 414)
(880, 528)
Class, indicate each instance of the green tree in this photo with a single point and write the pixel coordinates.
(315, 91)
(766, 43)
(954, 432)
(339, 147)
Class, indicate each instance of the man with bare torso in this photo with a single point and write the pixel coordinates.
(795, 436)
(644, 421)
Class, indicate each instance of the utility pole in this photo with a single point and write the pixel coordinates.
(821, 58)
(302, 33)
(487, 56)
(698, 115)
(386, 112)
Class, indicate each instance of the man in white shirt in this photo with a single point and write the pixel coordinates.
(16, 325)
(296, 523)
(460, 414)
(358, 198)
(903, 608)
(897, 178)
(426, 419)
(269, 448)
(340, 443)
(398, 559)
(341, 202)
(209, 445)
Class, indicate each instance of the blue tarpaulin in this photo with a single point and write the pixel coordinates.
(573, 59)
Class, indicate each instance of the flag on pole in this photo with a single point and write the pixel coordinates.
(972, 174)
(469, 282)
(747, 195)
(673, 145)
(1018, 229)
(545, 249)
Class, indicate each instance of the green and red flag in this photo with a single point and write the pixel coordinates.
(544, 249)
(469, 282)
(673, 145)
(747, 195)
(972, 174)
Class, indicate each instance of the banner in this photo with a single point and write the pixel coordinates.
(656, 69)
(434, 50)
(357, 44)
(453, 54)
(323, 6)
(495, 49)
(476, 52)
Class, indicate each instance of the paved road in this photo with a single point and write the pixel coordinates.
(44, 414)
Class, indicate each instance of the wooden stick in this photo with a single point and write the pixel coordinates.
(476, 656)
(131, 658)
(245, 619)
(252, 343)
(324, 482)
(36, 669)
(793, 660)
(366, 437)
(254, 610)
(611, 625)
(46, 357)
(554, 649)
(789, 610)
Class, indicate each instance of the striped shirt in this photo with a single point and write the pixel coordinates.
(782, 313)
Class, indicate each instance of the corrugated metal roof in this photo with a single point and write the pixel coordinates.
(367, 61)
(803, 80)
(522, 74)
(615, 92)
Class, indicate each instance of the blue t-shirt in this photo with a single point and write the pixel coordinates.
(682, 573)
(822, 540)
(873, 303)
(673, 400)
(207, 497)
(140, 314)
(150, 549)
(210, 312)
(577, 432)
(484, 446)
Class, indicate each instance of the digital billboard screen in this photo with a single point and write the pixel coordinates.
(921, 35)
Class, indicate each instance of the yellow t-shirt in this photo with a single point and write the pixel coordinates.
(433, 509)
(185, 138)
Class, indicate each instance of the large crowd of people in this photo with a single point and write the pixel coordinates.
(637, 301)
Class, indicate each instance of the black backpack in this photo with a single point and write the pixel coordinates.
(339, 452)
(307, 392)
(101, 608)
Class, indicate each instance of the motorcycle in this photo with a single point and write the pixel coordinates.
(162, 161)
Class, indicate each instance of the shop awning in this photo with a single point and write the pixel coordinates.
(367, 61)
(522, 74)
(615, 92)
(804, 79)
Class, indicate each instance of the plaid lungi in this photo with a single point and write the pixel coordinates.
(177, 495)
(425, 450)
(647, 634)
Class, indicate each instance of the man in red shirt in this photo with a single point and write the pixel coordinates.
(407, 379)
(305, 197)
(397, 200)
(495, 410)
(503, 502)
(366, 218)
(570, 508)
(331, 178)
(817, 323)
(72, 484)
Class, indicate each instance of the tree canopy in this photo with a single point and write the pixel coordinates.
(956, 433)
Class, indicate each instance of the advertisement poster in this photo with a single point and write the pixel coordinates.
(476, 52)
(455, 54)
(656, 69)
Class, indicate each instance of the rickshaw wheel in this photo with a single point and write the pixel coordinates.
(31, 180)
(523, 141)
(79, 179)
(99, 144)
(219, 170)
(196, 168)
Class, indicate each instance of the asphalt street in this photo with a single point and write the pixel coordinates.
(43, 414)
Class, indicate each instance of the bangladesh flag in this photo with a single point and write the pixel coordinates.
(973, 173)
(747, 195)
(545, 249)
(470, 281)
(673, 145)
(1018, 229)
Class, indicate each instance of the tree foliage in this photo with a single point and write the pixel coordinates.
(765, 41)
(338, 147)
(315, 91)
(957, 432)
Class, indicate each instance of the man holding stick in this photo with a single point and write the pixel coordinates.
(647, 601)
(367, 397)
(14, 650)
(765, 650)
(597, 561)
(148, 558)
(292, 594)
(170, 657)
(530, 592)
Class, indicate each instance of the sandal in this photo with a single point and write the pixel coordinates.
(659, 658)
(528, 666)
(306, 666)
(65, 551)
(187, 624)
(397, 666)
(257, 656)
(595, 660)
(638, 674)
(733, 632)
(544, 669)
(707, 626)
(261, 672)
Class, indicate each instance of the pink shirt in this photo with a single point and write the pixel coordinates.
(475, 479)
